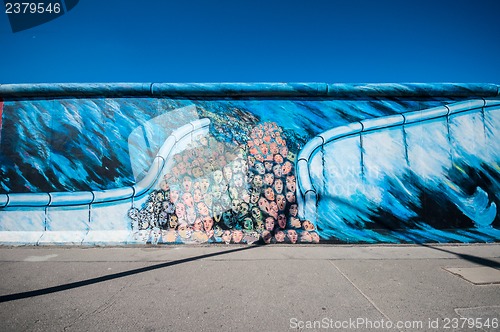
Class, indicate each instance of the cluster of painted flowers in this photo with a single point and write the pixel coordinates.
(219, 192)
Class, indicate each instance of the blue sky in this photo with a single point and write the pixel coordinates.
(350, 41)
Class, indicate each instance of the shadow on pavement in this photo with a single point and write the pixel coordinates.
(82, 283)
(470, 258)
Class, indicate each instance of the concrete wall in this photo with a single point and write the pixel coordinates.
(238, 163)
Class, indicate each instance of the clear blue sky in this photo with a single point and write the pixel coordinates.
(259, 41)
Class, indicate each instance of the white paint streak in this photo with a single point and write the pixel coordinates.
(39, 258)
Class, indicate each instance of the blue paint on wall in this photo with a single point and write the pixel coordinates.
(414, 180)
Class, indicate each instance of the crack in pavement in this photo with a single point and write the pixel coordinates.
(360, 291)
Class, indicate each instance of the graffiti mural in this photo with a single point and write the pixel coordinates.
(397, 166)
(232, 193)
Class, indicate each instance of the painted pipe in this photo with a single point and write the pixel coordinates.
(225, 90)
(111, 195)
(304, 182)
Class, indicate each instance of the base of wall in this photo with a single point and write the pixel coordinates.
(20, 238)
(90, 238)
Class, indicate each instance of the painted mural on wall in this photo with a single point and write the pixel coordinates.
(232, 193)
(403, 176)
(236, 192)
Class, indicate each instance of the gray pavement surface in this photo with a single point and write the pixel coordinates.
(251, 288)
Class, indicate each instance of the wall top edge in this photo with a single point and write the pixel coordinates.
(259, 90)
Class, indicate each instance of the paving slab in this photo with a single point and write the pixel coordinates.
(201, 294)
(278, 252)
(481, 275)
(227, 288)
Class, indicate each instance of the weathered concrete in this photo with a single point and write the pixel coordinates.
(271, 288)
(477, 275)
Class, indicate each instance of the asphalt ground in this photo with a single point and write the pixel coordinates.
(251, 288)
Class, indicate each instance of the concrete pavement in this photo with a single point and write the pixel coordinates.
(251, 288)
